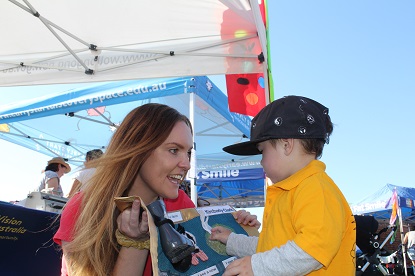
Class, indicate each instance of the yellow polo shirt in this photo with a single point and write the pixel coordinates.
(309, 209)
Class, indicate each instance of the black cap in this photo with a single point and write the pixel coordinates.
(289, 117)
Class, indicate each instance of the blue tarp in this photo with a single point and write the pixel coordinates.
(377, 205)
(72, 122)
(67, 124)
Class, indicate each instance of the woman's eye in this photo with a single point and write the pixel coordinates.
(189, 154)
(174, 151)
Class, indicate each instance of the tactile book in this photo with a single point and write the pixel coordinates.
(210, 258)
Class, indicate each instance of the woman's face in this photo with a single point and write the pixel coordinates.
(61, 171)
(162, 172)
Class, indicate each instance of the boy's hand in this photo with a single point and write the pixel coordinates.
(246, 218)
(220, 233)
(240, 267)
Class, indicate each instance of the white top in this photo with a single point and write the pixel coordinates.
(46, 176)
(84, 176)
(411, 239)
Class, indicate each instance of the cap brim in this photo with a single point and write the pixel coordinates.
(245, 148)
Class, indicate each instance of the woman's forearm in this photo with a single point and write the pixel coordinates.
(130, 261)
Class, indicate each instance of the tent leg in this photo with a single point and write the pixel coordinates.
(193, 170)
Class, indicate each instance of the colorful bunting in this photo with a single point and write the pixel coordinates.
(394, 202)
(394, 232)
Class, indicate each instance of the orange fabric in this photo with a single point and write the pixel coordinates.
(309, 209)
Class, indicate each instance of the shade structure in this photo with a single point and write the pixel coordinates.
(376, 204)
(70, 123)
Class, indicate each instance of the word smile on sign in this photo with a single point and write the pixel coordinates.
(218, 174)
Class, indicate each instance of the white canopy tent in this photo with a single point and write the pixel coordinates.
(82, 41)
(70, 41)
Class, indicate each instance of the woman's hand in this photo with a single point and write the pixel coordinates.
(246, 218)
(130, 225)
(131, 261)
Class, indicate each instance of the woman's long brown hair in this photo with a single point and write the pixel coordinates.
(94, 250)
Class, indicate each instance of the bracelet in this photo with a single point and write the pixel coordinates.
(125, 241)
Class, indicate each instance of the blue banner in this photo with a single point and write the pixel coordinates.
(230, 175)
(26, 241)
(96, 95)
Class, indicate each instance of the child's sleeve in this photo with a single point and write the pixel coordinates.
(241, 245)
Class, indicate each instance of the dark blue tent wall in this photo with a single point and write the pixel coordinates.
(26, 241)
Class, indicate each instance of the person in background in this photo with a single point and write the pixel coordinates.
(308, 227)
(82, 177)
(148, 156)
(50, 181)
(409, 241)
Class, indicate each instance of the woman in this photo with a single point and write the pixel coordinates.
(50, 181)
(148, 156)
(82, 177)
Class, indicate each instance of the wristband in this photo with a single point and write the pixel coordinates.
(125, 241)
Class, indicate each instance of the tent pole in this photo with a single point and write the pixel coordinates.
(262, 35)
(402, 237)
(192, 172)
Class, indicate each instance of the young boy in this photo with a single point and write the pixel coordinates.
(308, 227)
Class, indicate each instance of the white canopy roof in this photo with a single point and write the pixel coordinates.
(69, 41)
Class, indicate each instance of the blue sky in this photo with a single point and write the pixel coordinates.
(358, 59)
(355, 57)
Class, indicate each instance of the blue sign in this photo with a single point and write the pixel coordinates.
(26, 241)
(230, 175)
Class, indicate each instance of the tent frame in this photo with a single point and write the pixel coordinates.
(243, 9)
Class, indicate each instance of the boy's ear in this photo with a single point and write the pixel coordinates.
(288, 145)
